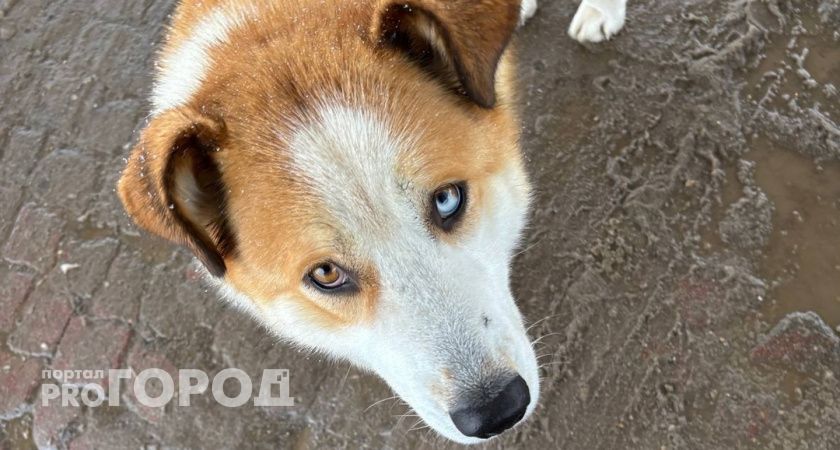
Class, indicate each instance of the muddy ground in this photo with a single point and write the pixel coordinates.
(683, 261)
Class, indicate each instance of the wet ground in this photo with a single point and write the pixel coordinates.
(682, 269)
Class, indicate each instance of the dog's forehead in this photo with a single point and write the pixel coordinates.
(347, 173)
(350, 161)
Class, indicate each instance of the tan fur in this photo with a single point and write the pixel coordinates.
(270, 76)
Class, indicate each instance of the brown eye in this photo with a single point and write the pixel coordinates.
(328, 276)
(447, 205)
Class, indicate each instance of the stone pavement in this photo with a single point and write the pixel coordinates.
(654, 319)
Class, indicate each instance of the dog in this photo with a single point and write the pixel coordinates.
(349, 174)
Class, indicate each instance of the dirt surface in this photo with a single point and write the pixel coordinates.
(687, 217)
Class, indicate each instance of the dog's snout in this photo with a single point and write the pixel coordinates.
(485, 418)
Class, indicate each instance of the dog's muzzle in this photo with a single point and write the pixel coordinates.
(483, 417)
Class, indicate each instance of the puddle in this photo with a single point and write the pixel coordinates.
(16, 434)
(804, 70)
(731, 191)
(769, 76)
(803, 254)
(823, 60)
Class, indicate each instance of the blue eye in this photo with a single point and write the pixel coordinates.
(448, 204)
(448, 201)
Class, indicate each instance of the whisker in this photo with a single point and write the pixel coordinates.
(535, 341)
(415, 427)
(528, 247)
(344, 379)
(540, 321)
(380, 401)
(550, 363)
(402, 417)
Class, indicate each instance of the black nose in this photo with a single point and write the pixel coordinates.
(493, 416)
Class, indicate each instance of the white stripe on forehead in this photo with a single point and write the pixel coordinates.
(349, 157)
(182, 71)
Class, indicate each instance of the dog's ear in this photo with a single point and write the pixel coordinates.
(458, 41)
(172, 185)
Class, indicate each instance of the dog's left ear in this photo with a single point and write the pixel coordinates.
(460, 39)
(172, 185)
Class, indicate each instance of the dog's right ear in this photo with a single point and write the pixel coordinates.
(172, 185)
(459, 42)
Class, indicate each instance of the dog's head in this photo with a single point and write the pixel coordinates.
(355, 183)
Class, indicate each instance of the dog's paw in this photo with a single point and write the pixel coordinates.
(597, 23)
(529, 7)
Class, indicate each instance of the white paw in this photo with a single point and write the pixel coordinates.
(597, 22)
(529, 7)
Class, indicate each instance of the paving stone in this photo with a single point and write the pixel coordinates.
(120, 294)
(34, 238)
(604, 128)
(105, 211)
(20, 155)
(51, 420)
(120, 433)
(800, 341)
(92, 345)
(160, 296)
(14, 287)
(172, 303)
(43, 318)
(109, 130)
(63, 179)
(224, 427)
(108, 9)
(9, 201)
(242, 343)
(19, 376)
(141, 358)
(85, 264)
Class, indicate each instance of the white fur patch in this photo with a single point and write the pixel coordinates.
(433, 294)
(597, 20)
(182, 71)
(528, 9)
(349, 158)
